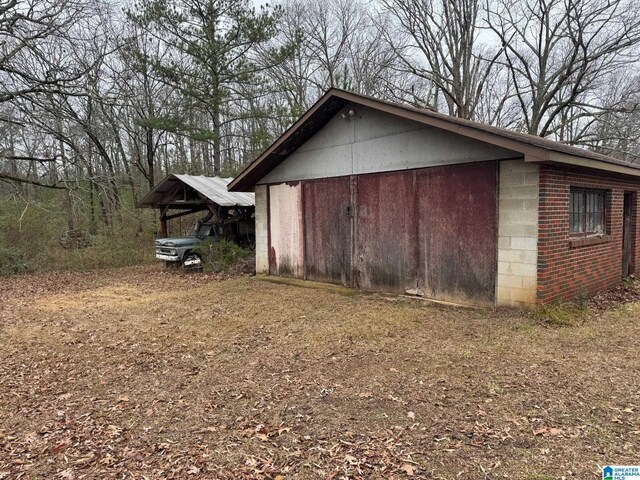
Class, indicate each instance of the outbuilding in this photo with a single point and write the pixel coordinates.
(385, 197)
(180, 195)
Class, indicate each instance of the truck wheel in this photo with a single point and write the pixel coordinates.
(192, 261)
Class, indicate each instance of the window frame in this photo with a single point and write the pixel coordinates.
(585, 191)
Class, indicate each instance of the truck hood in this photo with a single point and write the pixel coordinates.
(178, 241)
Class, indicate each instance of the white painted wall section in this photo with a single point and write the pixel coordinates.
(262, 230)
(373, 141)
(518, 192)
(285, 224)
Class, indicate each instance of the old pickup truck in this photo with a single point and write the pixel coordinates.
(183, 251)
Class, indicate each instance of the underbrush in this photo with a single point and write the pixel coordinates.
(12, 261)
(220, 256)
(37, 237)
(105, 252)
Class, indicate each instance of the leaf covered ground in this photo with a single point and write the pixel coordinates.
(144, 373)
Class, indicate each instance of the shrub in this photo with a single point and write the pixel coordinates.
(219, 256)
(11, 261)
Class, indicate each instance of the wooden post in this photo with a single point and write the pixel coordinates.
(163, 223)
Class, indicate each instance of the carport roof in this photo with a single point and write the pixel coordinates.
(531, 147)
(212, 188)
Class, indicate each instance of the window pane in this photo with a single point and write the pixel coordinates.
(576, 213)
(595, 212)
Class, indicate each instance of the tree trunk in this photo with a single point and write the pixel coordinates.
(150, 158)
(216, 144)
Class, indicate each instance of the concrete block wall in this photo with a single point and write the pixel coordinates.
(518, 190)
(262, 230)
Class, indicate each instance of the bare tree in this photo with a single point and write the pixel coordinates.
(437, 40)
(31, 30)
(337, 44)
(614, 129)
(558, 52)
(36, 58)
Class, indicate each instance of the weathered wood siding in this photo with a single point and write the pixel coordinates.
(386, 250)
(458, 232)
(286, 254)
(327, 226)
(433, 230)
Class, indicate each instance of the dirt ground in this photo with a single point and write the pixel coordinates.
(140, 373)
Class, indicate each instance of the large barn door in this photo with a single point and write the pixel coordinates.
(386, 249)
(457, 232)
(327, 226)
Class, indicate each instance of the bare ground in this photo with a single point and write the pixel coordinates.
(140, 373)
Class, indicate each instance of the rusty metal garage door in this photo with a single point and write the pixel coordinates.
(458, 231)
(432, 229)
(386, 250)
(327, 226)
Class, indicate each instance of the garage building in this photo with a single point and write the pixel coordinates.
(385, 197)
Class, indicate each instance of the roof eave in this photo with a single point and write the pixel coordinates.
(239, 184)
(574, 160)
(533, 153)
(142, 202)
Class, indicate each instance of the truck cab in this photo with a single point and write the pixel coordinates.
(238, 228)
(179, 250)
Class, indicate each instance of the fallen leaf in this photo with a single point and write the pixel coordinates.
(410, 470)
(550, 431)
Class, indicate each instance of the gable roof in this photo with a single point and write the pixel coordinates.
(533, 148)
(212, 188)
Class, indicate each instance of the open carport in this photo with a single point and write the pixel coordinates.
(180, 195)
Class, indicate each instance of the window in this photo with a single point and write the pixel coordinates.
(587, 211)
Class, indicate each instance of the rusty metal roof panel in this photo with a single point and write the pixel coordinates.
(213, 188)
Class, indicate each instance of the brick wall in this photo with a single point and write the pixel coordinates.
(262, 234)
(566, 268)
(517, 234)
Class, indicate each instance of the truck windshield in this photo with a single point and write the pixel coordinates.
(202, 230)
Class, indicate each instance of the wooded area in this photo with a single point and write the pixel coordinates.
(99, 101)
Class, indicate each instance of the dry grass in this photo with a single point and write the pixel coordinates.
(136, 373)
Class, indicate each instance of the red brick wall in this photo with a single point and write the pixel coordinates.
(566, 270)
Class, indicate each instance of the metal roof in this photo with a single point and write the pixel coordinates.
(213, 188)
(533, 148)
